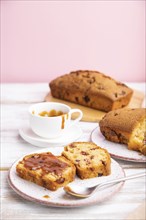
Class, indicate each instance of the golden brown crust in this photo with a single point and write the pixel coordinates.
(125, 126)
(123, 119)
(56, 175)
(90, 160)
(92, 89)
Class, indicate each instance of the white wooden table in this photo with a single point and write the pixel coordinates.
(15, 100)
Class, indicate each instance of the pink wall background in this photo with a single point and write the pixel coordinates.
(41, 40)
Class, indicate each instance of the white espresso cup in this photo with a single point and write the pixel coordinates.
(52, 126)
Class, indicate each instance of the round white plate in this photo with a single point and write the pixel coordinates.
(70, 135)
(116, 150)
(36, 193)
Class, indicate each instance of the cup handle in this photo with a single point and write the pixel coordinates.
(78, 118)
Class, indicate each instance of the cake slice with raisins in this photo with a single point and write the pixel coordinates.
(89, 159)
(46, 170)
(127, 126)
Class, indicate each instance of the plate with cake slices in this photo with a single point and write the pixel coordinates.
(41, 176)
(122, 133)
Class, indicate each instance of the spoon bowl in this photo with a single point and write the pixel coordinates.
(78, 191)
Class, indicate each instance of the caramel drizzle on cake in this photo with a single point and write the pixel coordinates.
(47, 162)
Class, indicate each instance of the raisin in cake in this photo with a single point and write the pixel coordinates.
(92, 89)
(127, 126)
(89, 159)
(46, 170)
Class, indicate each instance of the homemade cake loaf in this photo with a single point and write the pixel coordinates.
(92, 89)
(127, 126)
(89, 159)
(46, 170)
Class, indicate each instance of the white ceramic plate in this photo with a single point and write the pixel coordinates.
(116, 150)
(35, 193)
(70, 135)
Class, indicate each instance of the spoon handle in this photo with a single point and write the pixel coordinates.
(123, 179)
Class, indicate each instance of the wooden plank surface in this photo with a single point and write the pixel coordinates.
(139, 213)
(94, 115)
(16, 99)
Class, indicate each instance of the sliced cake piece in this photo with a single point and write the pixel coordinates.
(89, 159)
(46, 170)
(127, 126)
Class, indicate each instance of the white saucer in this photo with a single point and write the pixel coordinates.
(69, 136)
